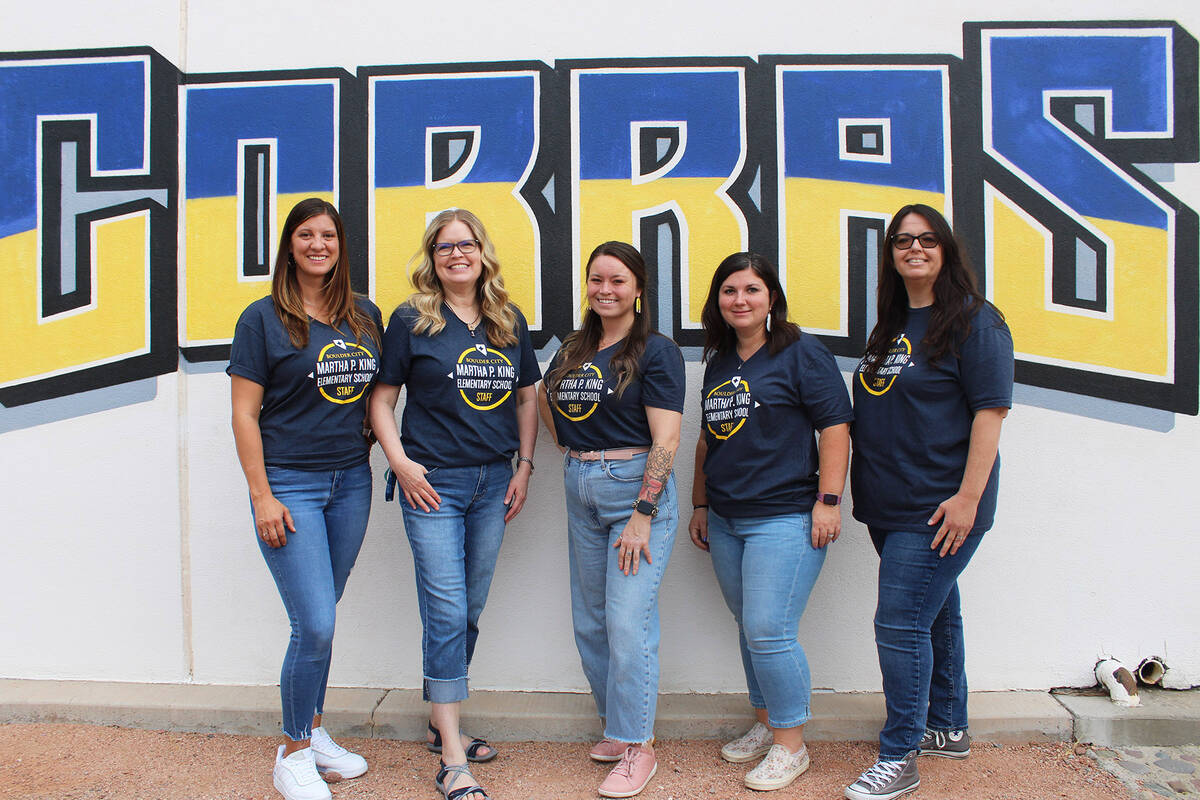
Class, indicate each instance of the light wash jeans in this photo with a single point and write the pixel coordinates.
(454, 556)
(616, 615)
(767, 567)
(919, 635)
(329, 509)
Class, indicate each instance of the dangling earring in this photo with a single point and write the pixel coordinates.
(637, 305)
(768, 320)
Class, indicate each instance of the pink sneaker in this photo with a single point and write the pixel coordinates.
(631, 775)
(608, 750)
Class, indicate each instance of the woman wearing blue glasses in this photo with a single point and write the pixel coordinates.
(464, 353)
(929, 397)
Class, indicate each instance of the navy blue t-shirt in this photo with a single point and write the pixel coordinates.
(758, 421)
(461, 408)
(912, 423)
(588, 413)
(314, 399)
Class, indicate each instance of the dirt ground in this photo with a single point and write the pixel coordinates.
(82, 762)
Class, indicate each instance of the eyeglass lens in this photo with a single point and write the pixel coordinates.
(904, 241)
(466, 247)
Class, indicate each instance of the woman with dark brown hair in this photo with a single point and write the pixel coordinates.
(929, 397)
(302, 363)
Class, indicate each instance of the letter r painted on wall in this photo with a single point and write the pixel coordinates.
(87, 227)
(1092, 260)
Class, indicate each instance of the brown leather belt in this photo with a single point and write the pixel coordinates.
(620, 454)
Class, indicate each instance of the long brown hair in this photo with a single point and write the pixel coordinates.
(499, 319)
(339, 297)
(956, 295)
(719, 338)
(581, 345)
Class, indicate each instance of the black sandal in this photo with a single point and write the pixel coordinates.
(472, 749)
(461, 770)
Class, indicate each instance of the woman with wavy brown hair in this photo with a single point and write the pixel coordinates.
(302, 363)
(464, 353)
(614, 402)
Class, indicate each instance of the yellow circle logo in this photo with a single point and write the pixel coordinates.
(485, 377)
(579, 392)
(727, 407)
(898, 357)
(344, 371)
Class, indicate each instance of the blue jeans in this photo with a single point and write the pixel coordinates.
(454, 556)
(919, 635)
(767, 567)
(616, 615)
(329, 509)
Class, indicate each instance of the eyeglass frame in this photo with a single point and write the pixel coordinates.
(937, 242)
(447, 248)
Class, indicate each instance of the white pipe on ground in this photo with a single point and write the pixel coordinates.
(1113, 676)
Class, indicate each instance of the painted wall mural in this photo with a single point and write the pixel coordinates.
(143, 205)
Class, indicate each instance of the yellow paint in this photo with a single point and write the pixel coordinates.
(119, 324)
(813, 236)
(1134, 340)
(214, 295)
(400, 223)
(606, 212)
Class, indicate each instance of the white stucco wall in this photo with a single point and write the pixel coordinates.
(127, 549)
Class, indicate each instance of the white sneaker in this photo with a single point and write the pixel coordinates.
(752, 744)
(296, 776)
(335, 762)
(778, 769)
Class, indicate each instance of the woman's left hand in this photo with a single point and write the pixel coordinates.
(957, 515)
(518, 490)
(634, 542)
(826, 524)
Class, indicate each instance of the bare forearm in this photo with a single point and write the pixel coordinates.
(833, 457)
(658, 470)
(981, 452)
(699, 493)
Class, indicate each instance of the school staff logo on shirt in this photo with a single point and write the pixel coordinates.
(344, 371)
(727, 407)
(899, 356)
(484, 377)
(579, 392)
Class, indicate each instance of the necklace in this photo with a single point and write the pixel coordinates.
(472, 325)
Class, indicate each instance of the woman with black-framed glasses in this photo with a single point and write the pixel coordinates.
(930, 394)
(464, 352)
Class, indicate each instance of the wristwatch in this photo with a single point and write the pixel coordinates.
(645, 507)
(829, 499)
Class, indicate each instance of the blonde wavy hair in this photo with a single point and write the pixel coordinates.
(499, 319)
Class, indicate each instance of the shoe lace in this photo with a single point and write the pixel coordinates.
(304, 769)
(625, 767)
(327, 744)
(881, 773)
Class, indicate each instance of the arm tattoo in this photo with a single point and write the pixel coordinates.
(658, 469)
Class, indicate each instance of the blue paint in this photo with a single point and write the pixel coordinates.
(301, 117)
(710, 102)
(502, 106)
(113, 91)
(1133, 68)
(913, 101)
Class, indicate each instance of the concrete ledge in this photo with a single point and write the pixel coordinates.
(1166, 718)
(502, 716)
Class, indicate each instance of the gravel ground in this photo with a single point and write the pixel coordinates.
(84, 762)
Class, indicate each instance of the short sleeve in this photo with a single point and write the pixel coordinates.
(822, 390)
(662, 375)
(248, 353)
(530, 372)
(397, 350)
(986, 362)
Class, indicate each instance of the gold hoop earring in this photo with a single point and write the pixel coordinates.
(637, 305)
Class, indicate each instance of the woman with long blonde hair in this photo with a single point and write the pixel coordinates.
(464, 353)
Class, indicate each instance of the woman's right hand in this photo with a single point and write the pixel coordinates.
(417, 490)
(272, 520)
(698, 528)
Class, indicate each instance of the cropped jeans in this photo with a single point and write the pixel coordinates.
(919, 635)
(616, 615)
(329, 509)
(454, 556)
(767, 567)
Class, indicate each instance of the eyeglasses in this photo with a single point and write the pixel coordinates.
(904, 241)
(466, 247)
